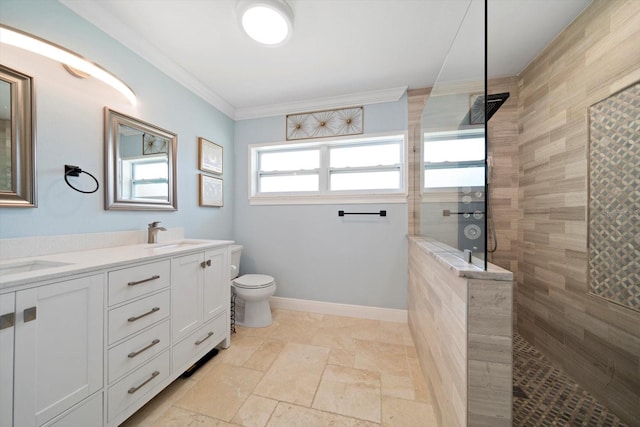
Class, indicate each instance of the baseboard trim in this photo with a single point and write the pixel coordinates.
(336, 309)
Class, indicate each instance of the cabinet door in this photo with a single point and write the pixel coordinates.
(7, 319)
(186, 294)
(58, 348)
(216, 283)
(87, 414)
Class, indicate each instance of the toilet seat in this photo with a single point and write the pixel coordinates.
(253, 281)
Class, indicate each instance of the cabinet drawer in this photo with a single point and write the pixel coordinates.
(136, 351)
(136, 281)
(137, 385)
(197, 344)
(137, 315)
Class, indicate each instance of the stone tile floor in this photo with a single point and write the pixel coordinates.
(306, 369)
(310, 370)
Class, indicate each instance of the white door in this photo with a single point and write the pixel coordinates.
(7, 332)
(216, 283)
(58, 348)
(186, 294)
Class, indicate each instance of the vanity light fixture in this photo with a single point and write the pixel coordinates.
(269, 22)
(69, 59)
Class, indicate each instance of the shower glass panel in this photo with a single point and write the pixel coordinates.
(452, 165)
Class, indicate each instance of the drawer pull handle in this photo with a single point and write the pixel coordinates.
(7, 320)
(209, 335)
(134, 389)
(135, 353)
(205, 264)
(30, 314)
(134, 318)
(143, 280)
(208, 263)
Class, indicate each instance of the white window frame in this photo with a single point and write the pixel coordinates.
(131, 182)
(315, 171)
(445, 194)
(324, 195)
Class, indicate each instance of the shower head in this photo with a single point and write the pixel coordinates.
(494, 102)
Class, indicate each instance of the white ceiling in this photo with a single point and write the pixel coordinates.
(341, 52)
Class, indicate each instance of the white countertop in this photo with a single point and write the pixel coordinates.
(97, 259)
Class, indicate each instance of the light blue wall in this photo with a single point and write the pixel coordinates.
(70, 130)
(313, 253)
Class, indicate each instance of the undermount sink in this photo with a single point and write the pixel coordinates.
(27, 266)
(174, 245)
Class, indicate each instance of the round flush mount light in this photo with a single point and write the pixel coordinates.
(269, 22)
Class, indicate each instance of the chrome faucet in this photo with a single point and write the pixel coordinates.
(152, 232)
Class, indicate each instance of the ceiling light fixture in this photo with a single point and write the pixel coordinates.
(269, 22)
(72, 60)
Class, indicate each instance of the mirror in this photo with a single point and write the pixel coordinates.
(140, 164)
(17, 139)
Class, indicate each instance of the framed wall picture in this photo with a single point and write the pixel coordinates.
(210, 156)
(211, 191)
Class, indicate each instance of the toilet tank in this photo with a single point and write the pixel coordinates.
(236, 251)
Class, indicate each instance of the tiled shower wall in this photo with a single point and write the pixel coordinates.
(595, 341)
(416, 99)
(503, 184)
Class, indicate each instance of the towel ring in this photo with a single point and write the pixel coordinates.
(76, 171)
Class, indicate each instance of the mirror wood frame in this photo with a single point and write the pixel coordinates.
(23, 140)
(113, 120)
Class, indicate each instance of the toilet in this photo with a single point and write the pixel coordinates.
(252, 293)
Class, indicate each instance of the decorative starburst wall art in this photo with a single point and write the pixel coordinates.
(321, 124)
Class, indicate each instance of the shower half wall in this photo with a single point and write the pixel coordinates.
(460, 320)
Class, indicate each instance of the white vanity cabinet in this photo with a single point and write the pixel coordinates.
(88, 344)
(56, 348)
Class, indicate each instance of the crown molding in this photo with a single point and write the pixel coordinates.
(341, 101)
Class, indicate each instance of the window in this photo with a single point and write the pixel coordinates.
(454, 159)
(145, 178)
(372, 166)
(316, 172)
(289, 170)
